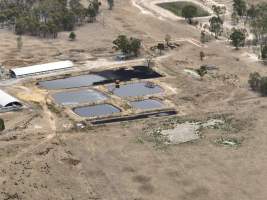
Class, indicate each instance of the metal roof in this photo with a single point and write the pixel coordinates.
(7, 100)
(24, 71)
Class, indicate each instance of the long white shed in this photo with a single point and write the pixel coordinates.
(40, 69)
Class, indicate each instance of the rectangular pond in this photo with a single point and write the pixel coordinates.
(100, 110)
(147, 104)
(135, 89)
(72, 82)
(77, 97)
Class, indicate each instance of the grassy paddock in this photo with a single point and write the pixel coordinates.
(177, 7)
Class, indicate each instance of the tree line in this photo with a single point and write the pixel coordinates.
(47, 17)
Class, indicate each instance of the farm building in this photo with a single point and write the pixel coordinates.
(8, 102)
(40, 69)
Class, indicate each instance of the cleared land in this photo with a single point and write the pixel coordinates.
(177, 7)
(43, 156)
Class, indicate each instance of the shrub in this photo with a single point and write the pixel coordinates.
(258, 83)
(263, 86)
(72, 36)
(2, 125)
(264, 53)
(254, 81)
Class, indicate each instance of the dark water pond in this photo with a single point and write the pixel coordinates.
(135, 89)
(147, 104)
(72, 82)
(103, 77)
(97, 110)
(76, 97)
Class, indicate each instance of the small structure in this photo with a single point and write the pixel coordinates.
(8, 103)
(40, 69)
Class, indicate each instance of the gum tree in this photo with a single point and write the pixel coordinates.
(216, 26)
(238, 38)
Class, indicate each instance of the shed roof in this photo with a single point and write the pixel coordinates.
(24, 71)
(7, 100)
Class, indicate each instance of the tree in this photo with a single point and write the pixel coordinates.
(127, 46)
(240, 7)
(160, 47)
(252, 12)
(216, 26)
(91, 12)
(264, 52)
(122, 43)
(68, 21)
(135, 45)
(258, 83)
(234, 18)
(263, 86)
(19, 43)
(110, 4)
(149, 60)
(201, 55)
(72, 36)
(47, 17)
(258, 23)
(2, 124)
(189, 12)
(254, 81)
(238, 38)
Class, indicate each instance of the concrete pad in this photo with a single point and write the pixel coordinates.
(182, 133)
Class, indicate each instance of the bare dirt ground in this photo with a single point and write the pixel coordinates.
(42, 158)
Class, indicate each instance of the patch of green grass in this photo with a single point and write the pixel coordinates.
(177, 7)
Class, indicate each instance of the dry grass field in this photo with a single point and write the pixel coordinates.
(42, 158)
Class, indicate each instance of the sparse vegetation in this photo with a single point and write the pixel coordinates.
(231, 142)
(2, 125)
(202, 71)
(258, 83)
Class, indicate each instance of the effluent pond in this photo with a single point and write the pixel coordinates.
(147, 104)
(78, 97)
(102, 77)
(72, 82)
(96, 110)
(135, 89)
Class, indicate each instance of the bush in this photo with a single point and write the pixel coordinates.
(72, 36)
(254, 81)
(263, 86)
(2, 125)
(264, 53)
(258, 83)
